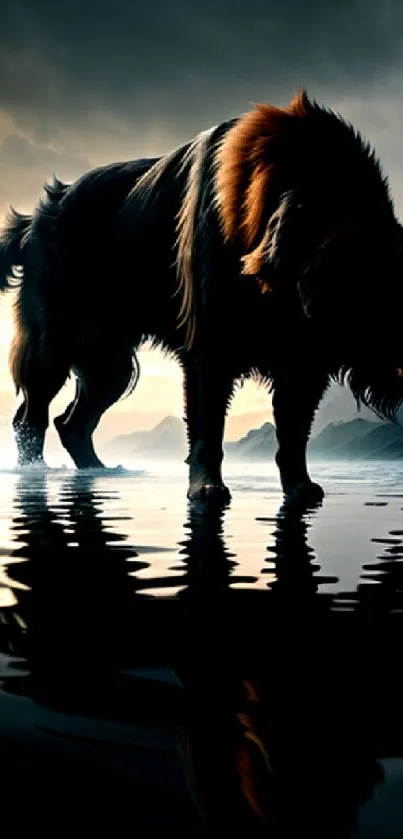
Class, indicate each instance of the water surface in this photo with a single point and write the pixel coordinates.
(175, 669)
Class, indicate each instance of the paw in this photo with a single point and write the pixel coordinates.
(210, 493)
(306, 493)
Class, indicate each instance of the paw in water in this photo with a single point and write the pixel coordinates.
(308, 491)
(217, 494)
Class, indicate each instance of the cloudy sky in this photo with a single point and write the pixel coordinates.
(85, 83)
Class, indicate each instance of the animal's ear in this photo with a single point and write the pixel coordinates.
(278, 241)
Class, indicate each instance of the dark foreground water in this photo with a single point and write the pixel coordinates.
(169, 671)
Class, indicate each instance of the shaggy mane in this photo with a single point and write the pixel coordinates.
(270, 151)
(246, 162)
(186, 232)
(243, 167)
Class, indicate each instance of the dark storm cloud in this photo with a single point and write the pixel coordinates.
(185, 63)
(87, 82)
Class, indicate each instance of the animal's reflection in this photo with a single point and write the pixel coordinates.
(295, 579)
(381, 587)
(281, 716)
(279, 713)
(77, 594)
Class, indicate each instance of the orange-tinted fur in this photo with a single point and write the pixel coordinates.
(246, 162)
(18, 350)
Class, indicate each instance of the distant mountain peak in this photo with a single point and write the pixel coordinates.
(169, 421)
(166, 439)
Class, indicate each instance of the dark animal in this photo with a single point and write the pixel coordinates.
(267, 246)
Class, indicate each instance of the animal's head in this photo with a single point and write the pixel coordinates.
(303, 200)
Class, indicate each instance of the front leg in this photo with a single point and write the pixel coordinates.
(295, 401)
(208, 390)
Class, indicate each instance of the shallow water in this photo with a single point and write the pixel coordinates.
(168, 668)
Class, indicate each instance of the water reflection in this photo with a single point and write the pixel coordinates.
(73, 608)
(294, 571)
(269, 708)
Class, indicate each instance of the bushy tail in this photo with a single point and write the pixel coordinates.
(12, 243)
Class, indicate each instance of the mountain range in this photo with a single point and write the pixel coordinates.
(351, 440)
(359, 440)
(167, 440)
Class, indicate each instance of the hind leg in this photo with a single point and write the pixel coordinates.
(43, 377)
(101, 382)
